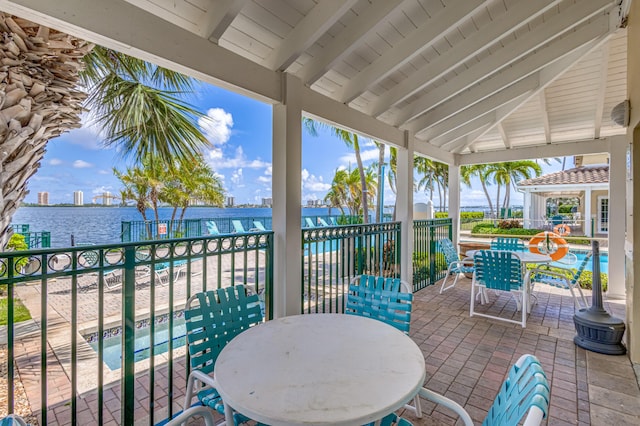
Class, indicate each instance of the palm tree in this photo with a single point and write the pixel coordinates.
(509, 173)
(137, 105)
(194, 180)
(483, 173)
(380, 201)
(136, 188)
(352, 140)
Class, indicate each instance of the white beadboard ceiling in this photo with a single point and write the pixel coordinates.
(464, 76)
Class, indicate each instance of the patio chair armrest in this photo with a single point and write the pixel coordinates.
(535, 271)
(449, 403)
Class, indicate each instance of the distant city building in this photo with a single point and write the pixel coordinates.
(43, 198)
(78, 198)
(230, 201)
(106, 197)
(314, 203)
(267, 202)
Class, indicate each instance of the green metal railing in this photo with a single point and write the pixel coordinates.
(86, 295)
(429, 265)
(140, 230)
(333, 256)
(37, 240)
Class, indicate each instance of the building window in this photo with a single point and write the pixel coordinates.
(603, 215)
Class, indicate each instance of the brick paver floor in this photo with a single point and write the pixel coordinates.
(466, 360)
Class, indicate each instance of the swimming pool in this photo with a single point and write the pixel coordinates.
(112, 346)
(604, 262)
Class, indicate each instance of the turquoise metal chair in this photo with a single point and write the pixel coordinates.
(212, 320)
(384, 299)
(258, 226)
(562, 278)
(500, 271)
(523, 395)
(456, 266)
(238, 227)
(191, 413)
(509, 244)
(163, 270)
(12, 420)
(91, 259)
(322, 222)
(212, 228)
(309, 223)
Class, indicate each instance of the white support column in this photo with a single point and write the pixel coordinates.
(617, 218)
(454, 202)
(287, 199)
(404, 206)
(587, 212)
(526, 209)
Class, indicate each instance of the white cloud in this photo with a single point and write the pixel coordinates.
(264, 179)
(55, 162)
(366, 155)
(236, 177)
(101, 190)
(104, 172)
(313, 183)
(218, 161)
(216, 126)
(81, 164)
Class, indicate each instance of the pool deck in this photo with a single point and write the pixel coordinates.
(466, 359)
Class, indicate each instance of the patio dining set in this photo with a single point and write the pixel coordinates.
(354, 368)
(503, 268)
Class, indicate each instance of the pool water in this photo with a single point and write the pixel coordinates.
(604, 262)
(113, 345)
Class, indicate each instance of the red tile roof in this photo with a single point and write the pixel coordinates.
(579, 175)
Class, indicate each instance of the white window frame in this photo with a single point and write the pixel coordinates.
(599, 228)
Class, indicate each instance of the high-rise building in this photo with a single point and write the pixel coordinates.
(267, 202)
(78, 198)
(106, 197)
(43, 198)
(230, 201)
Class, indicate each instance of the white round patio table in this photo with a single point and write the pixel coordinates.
(319, 369)
(525, 256)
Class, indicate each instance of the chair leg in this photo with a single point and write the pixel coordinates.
(444, 281)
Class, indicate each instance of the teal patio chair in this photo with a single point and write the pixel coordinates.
(258, 226)
(562, 278)
(456, 266)
(238, 227)
(163, 270)
(333, 221)
(322, 222)
(212, 227)
(500, 271)
(90, 259)
(523, 395)
(509, 244)
(12, 420)
(190, 413)
(309, 223)
(384, 299)
(212, 320)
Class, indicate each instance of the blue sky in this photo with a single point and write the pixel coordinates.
(240, 130)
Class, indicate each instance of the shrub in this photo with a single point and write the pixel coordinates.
(483, 228)
(463, 215)
(509, 224)
(586, 280)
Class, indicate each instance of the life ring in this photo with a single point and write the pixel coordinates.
(549, 243)
(562, 229)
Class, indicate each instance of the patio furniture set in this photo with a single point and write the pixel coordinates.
(354, 368)
(503, 268)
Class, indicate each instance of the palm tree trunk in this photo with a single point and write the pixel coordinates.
(363, 182)
(39, 73)
(486, 194)
(381, 149)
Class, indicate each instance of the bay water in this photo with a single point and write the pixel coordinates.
(102, 225)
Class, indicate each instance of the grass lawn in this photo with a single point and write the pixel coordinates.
(20, 313)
